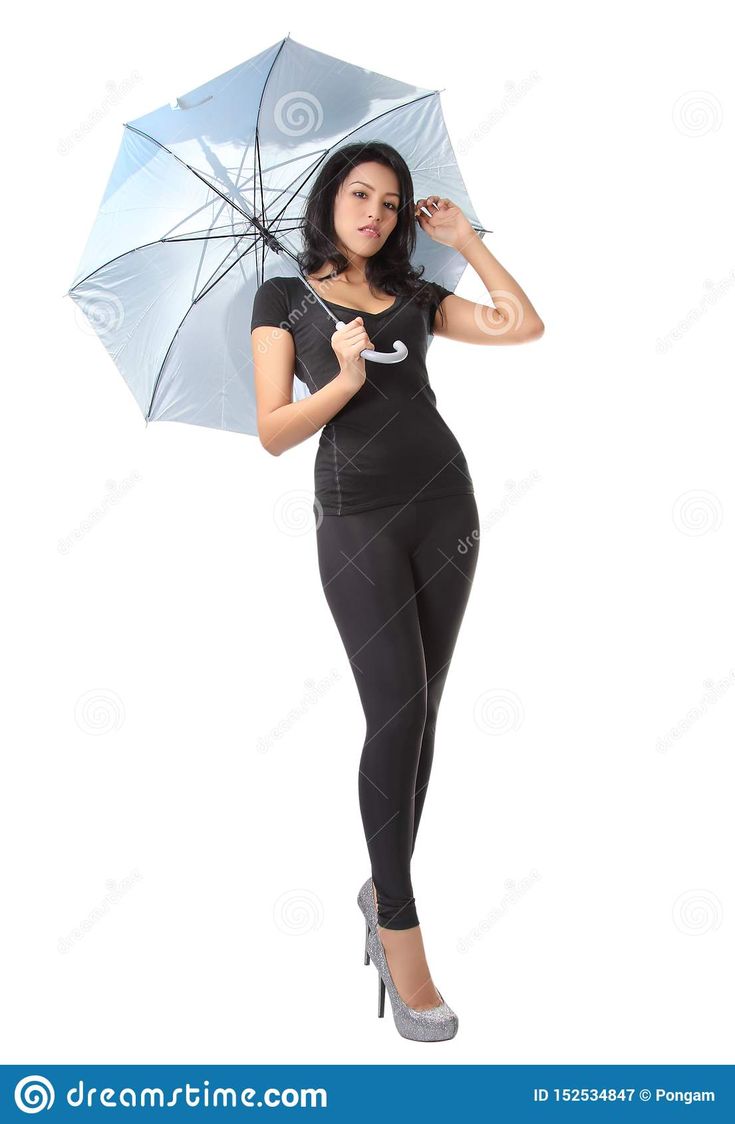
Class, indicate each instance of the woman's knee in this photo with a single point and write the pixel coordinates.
(397, 717)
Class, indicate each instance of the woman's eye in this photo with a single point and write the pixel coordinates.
(392, 205)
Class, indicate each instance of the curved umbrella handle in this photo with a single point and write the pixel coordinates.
(400, 351)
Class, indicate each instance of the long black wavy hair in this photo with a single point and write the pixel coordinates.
(389, 270)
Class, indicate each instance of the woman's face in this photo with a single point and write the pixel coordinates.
(368, 196)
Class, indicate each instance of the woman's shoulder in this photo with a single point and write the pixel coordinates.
(276, 291)
(277, 282)
(272, 304)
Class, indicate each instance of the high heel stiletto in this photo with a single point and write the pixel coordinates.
(434, 1024)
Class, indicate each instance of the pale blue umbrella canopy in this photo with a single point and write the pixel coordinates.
(205, 202)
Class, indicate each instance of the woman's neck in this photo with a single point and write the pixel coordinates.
(353, 275)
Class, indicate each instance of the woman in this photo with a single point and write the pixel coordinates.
(393, 498)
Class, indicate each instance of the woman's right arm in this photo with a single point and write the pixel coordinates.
(283, 423)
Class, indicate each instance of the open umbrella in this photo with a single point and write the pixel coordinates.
(205, 201)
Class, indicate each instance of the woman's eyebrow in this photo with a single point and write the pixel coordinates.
(373, 189)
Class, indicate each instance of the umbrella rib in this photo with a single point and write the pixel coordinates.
(234, 206)
(208, 285)
(117, 257)
(257, 168)
(204, 180)
(213, 187)
(209, 237)
(146, 246)
(250, 218)
(178, 329)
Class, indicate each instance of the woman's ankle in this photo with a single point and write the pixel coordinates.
(406, 957)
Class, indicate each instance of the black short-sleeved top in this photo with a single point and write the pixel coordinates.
(389, 444)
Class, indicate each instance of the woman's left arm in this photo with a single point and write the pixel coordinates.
(511, 318)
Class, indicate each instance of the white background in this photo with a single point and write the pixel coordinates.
(182, 730)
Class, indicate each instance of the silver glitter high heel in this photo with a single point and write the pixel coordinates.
(435, 1024)
(366, 902)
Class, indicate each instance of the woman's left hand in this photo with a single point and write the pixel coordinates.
(447, 224)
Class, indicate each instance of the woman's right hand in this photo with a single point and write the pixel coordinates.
(347, 343)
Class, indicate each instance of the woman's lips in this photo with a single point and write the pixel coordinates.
(369, 233)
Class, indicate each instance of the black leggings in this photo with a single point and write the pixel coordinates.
(397, 580)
